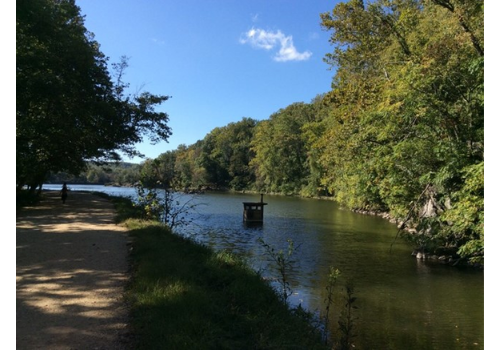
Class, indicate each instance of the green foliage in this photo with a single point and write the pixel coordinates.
(116, 173)
(68, 108)
(226, 155)
(156, 197)
(280, 160)
(464, 221)
(149, 202)
(407, 114)
(311, 132)
(189, 173)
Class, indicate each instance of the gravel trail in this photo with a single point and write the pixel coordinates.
(71, 271)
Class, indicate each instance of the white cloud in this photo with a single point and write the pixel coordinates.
(261, 39)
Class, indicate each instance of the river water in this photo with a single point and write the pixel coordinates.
(401, 302)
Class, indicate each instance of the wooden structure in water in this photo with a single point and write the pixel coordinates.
(253, 212)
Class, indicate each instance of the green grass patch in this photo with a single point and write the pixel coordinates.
(184, 295)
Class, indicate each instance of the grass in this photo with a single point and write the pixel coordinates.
(183, 295)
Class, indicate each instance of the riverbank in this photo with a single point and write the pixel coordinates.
(184, 295)
(166, 292)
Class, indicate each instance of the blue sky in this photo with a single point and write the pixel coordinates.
(219, 60)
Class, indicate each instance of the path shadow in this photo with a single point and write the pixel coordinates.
(71, 269)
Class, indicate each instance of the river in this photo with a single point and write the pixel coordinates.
(402, 303)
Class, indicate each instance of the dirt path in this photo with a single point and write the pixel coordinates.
(71, 270)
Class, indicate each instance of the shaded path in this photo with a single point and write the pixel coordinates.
(71, 269)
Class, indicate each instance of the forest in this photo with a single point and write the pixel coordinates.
(401, 131)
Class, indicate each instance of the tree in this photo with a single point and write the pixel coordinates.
(156, 197)
(68, 109)
(239, 136)
(190, 173)
(226, 154)
(280, 160)
(154, 187)
(406, 128)
(311, 132)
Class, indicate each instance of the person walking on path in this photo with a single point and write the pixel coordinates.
(71, 271)
(64, 193)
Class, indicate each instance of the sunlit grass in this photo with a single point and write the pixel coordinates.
(186, 296)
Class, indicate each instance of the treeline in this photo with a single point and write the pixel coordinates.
(117, 174)
(401, 131)
(276, 155)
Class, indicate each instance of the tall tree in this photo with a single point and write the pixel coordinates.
(312, 132)
(68, 109)
(407, 112)
(226, 154)
(280, 150)
(190, 173)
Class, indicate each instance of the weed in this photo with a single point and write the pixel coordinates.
(346, 321)
(332, 280)
(283, 263)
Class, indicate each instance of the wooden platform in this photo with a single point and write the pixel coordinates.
(254, 211)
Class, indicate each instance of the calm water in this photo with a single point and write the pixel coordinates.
(401, 303)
